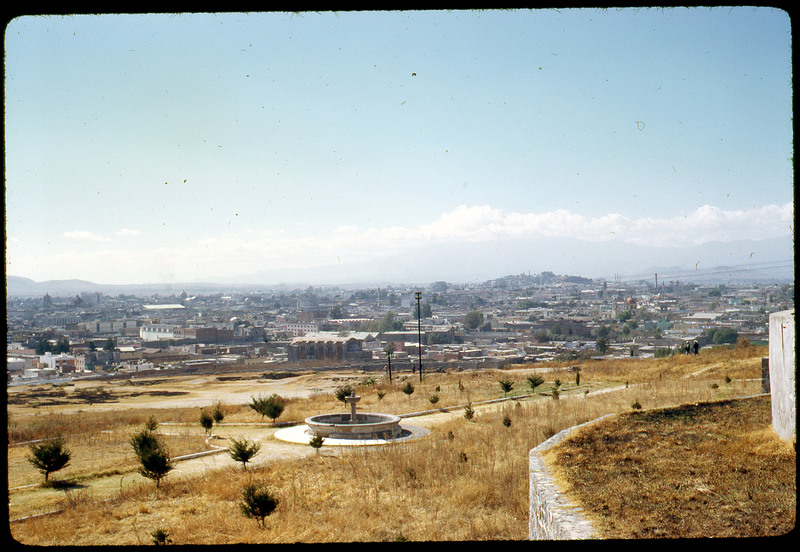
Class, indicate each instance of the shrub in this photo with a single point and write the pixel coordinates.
(316, 442)
(469, 412)
(50, 456)
(343, 391)
(271, 407)
(218, 413)
(243, 450)
(506, 385)
(151, 424)
(534, 381)
(433, 399)
(408, 388)
(257, 502)
(153, 455)
(160, 537)
(206, 421)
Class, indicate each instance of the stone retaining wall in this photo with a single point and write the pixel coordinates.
(551, 516)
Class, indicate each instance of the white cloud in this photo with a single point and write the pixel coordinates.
(235, 254)
(84, 235)
(704, 224)
(128, 232)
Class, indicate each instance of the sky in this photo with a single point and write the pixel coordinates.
(339, 147)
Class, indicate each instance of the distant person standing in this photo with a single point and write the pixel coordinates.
(696, 347)
(687, 348)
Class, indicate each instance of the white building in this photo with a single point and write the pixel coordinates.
(154, 332)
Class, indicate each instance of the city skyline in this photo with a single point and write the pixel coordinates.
(396, 145)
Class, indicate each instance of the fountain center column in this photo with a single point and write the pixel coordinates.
(352, 400)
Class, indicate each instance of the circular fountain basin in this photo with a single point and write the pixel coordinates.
(367, 425)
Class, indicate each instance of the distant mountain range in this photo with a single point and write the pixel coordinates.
(17, 286)
(764, 261)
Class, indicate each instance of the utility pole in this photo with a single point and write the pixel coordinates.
(419, 332)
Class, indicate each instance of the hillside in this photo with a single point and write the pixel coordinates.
(471, 470)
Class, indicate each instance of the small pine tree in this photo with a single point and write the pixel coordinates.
(243, 450)
(408, 389)
(271, 407)
(153, 455)
(506, 385)
(206, 420)
(469, 412)
(343, 391)
(218, 413)
(316, 442)
(160, 537)
(257, 502)
(534, 381)
(50, 456)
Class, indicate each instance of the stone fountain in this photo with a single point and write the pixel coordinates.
(355, 425)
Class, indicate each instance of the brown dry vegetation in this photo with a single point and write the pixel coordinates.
(693, 471)
(467, 480)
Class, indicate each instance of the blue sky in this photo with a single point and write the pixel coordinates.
(169, 148)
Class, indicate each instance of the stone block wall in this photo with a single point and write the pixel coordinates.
(551, 516)
(782, 372)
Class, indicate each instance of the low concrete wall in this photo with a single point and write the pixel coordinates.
(782, 372)
(551, 516)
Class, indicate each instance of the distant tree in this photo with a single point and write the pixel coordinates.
(109, 345)
(242, 450)
(343, 391)
(389, 350)
(541, 336)
(218, 413)
(151, 424)
(408, 388)
(42, 347)
(389, 324)
(623, 316)
(206, 420)
(506, 385)
(601, 345)
(534, 381)
(271, 407)
(426, 309)
(50, 456)
(62, 345)
(719, 336)
(473, 319)
(336, 312)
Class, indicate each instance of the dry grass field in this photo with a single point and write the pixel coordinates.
(466, 480)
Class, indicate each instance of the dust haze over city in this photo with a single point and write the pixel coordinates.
(399, 146)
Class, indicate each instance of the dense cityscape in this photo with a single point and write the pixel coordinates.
(508, 320)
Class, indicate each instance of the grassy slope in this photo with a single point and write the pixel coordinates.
(466, 481)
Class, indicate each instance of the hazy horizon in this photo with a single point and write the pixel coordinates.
(384, 145)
